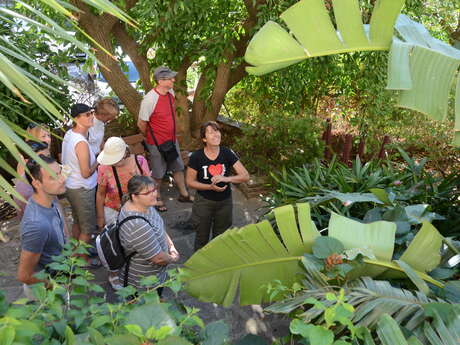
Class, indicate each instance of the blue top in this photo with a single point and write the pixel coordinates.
(42, 231)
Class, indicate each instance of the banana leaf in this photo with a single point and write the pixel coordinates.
(312, 33)
(246, 260)
(249, 258)
(422, 68)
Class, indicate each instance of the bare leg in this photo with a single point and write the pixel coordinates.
(158, 182)
(160, 206)
(179, 178)
(75, 231)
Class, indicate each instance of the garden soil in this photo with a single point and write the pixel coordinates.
(241, 320)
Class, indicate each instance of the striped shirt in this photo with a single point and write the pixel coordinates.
(147, 240)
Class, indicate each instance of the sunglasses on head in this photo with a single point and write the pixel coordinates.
(31, 125)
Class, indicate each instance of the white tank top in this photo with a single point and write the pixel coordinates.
(69, 157)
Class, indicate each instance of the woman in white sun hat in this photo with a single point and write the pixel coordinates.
(115, 161)
(117, 166)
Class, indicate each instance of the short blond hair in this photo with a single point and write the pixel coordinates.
(35, 129)
(108, 106)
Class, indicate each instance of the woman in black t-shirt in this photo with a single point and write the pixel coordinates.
(209, 173)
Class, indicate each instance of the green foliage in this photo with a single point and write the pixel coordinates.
(258, 254)
(73, 310)
(278, 140)
(365, 310)
(406, 194)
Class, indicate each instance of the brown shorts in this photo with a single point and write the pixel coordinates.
(83, 202)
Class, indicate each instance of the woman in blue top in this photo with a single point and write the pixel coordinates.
(209, 173)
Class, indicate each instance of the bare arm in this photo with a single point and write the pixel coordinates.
(162, 259)
(100, 199)
(83, 156)
(26, 268)
(172, 249)
(192, 182)
(142, 126)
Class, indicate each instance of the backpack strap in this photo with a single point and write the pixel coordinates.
(172, 115)
(127, 258)
(117, 180)
(138, 164)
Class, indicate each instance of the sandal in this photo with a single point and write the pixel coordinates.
(187, 198)
(114, 282)
(93, 263)
(161, 207)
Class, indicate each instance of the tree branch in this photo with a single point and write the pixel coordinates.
(130, 47)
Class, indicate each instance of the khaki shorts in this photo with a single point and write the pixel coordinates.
(158, 164)
(83, 202)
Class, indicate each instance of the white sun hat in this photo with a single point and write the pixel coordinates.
(113, 152)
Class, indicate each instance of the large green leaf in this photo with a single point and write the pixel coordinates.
(422, 68)
(314, 34)
(246, 260)
(427, 241)
(377, 236)
(249, 258)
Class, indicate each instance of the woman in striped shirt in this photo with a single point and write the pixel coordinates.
(145, 234)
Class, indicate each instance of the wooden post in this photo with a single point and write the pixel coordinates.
(327, 137)
(347, 148)
(386, 140)
(361, 148)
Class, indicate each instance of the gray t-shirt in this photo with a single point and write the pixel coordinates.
(147, 240)
(42, 231)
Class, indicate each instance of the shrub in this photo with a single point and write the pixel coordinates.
(277, 141)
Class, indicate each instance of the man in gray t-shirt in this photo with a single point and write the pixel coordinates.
(43, 227)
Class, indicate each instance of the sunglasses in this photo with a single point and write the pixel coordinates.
(37, 145)
(31, 125)
(89, 113)
(148, 192)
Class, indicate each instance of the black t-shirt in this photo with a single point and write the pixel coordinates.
(207, 168)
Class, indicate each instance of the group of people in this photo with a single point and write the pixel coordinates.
(105, 183)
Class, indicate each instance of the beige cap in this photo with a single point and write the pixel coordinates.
(113, 152)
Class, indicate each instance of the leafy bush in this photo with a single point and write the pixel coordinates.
(331, 311)
(278, 140)
(72, 310)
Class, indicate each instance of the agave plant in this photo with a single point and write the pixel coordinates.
(244, 260)
(24, 86)
(314, 34)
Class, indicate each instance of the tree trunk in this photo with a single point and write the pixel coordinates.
(100, 29)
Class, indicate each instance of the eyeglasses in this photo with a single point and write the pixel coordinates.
(148, 192)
